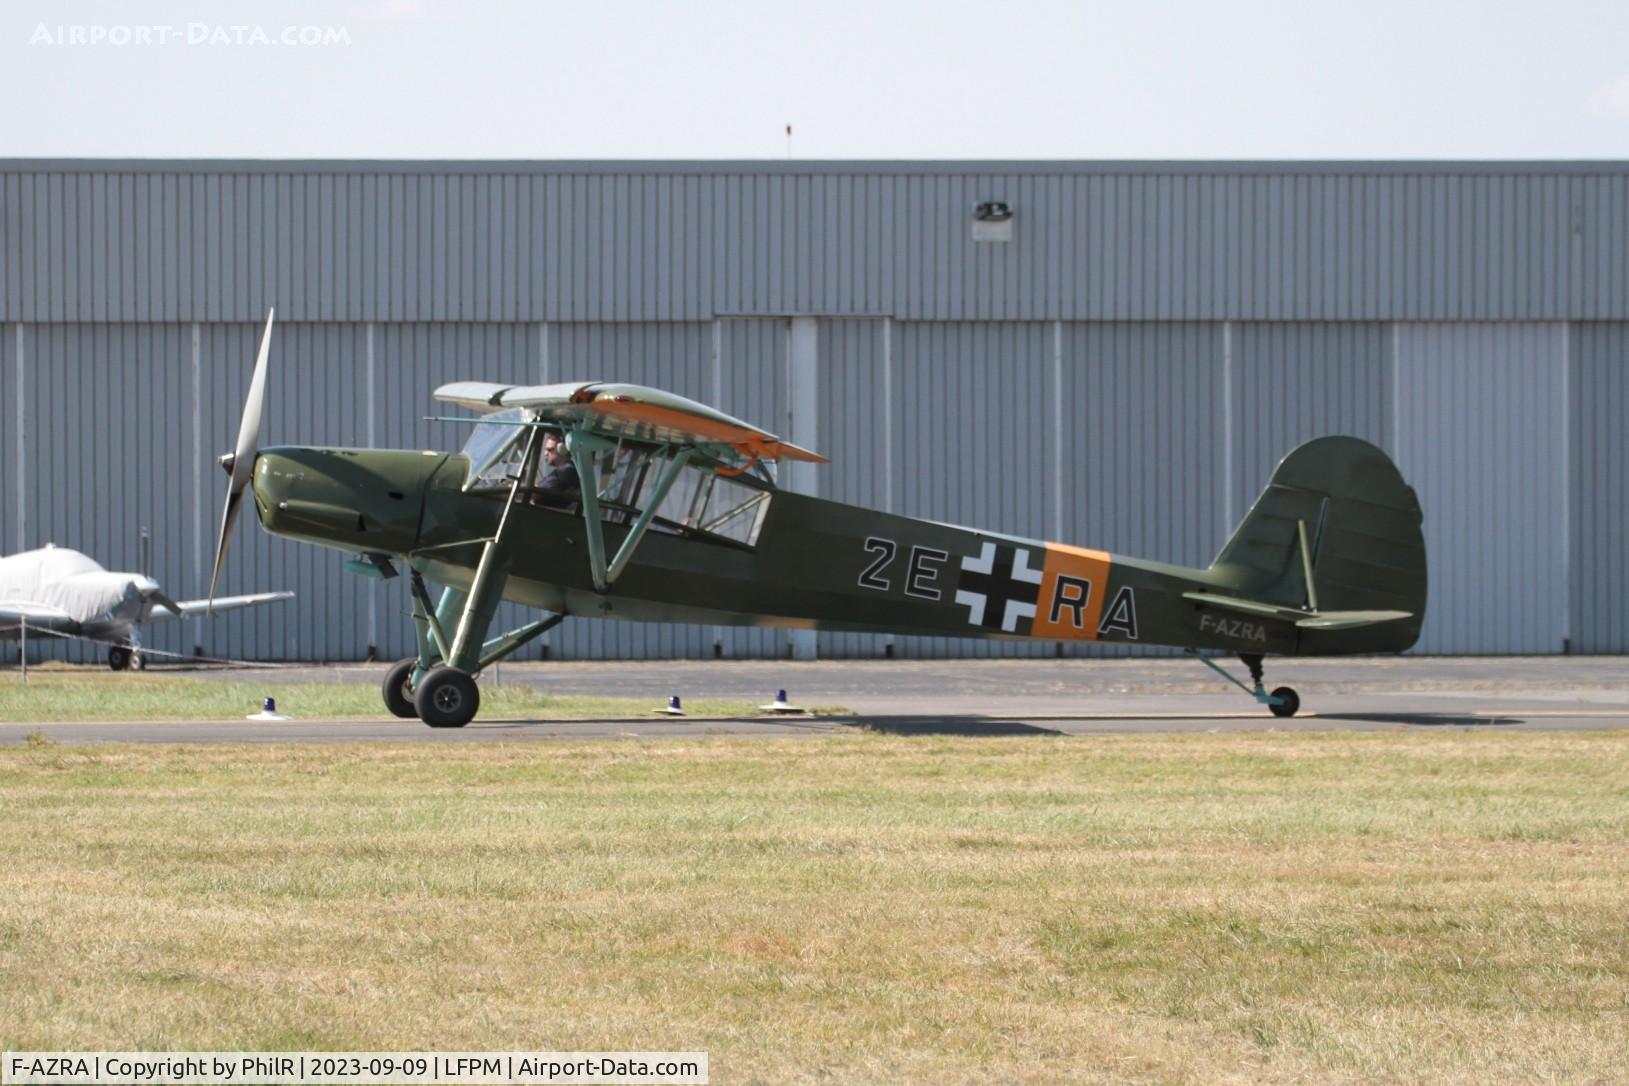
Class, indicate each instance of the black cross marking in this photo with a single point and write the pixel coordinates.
(997, 587)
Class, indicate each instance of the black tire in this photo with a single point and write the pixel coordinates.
(139, 662)
(118, 658)
(1289, 702)
(447, 698)
(398, 691)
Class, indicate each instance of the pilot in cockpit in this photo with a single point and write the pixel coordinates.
(557, 482)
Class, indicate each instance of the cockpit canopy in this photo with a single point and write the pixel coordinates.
(496, 439)
(709, 499)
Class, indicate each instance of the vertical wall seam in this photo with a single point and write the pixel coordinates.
(803, 403)
(718, 398)
(1228, 518)
(890, 503)
(718, 360)
(22, 442)
(1566, 486)
(198, 549)
(1396, 388)
(890, 483)
(546, 642)
(1057, 429)
(373, 443)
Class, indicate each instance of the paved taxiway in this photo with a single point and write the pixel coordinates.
(966, 697)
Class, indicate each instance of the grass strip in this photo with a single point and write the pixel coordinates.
(57, 696)
(1446, 907)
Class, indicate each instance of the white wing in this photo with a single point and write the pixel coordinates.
(38, 616)
(486, 397)
(649, 414)
(192, 608)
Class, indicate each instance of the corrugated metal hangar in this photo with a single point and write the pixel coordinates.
(1117, 363)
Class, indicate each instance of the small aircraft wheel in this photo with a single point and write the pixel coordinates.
(1288, 702)
(447, 698)
(118, 658)
(398, 689)
(138, 661)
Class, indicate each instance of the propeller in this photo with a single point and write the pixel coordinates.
(239, 464)
(150, 592)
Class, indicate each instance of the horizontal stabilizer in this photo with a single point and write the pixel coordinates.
(1350, 620)
(1247, 607)
(1306, 620)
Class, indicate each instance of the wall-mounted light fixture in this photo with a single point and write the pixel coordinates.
(992, 221)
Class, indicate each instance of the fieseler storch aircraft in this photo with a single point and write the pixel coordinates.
(57, 591)
(677, 518)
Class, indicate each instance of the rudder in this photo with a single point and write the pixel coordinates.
(1363, 532)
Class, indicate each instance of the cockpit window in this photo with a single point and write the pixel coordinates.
(700, 501)
(626, 477)
(496, 441)
(722, 506)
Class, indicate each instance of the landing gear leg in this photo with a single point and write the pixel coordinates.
(1283, 701)
(397, 688)
(401, 682)
(453, 648)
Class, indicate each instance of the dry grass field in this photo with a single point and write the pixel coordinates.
(1400, 907)
(81, 693)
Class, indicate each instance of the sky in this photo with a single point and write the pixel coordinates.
(951, 79)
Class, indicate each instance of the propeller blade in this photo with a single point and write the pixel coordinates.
(243, 456)
(164, 601)
(229, 519)
(240, 463)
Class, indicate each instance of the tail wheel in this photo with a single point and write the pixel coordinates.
(447, 698)
(1289, 702)
(398, 689)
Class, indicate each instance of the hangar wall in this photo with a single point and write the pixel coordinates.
(685, 241)
(1123, 374)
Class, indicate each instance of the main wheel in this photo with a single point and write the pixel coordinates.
(118, 658)
(1288, 702)
(398, 689)
(447, 698)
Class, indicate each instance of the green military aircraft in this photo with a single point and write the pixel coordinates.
(675, 517)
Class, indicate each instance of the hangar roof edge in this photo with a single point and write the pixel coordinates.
(1058, 167)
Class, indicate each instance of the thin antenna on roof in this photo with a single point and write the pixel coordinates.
(788, 141)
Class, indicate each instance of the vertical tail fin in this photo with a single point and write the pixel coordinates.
(1364, 550)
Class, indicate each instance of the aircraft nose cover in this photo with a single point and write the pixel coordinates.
(357, 499)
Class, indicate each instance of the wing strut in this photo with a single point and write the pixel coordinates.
(583, 445)
(1306, 567)
(486, 590)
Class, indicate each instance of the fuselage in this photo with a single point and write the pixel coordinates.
(89, 599)
(813, 563)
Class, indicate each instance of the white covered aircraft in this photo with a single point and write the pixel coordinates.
(60, 591)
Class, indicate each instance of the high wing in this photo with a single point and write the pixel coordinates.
(628, 411)
(13, 613)
(191, 608)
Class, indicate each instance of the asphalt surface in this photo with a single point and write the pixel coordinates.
(963, 697)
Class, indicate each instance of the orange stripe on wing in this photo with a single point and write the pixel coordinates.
(753, 443)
